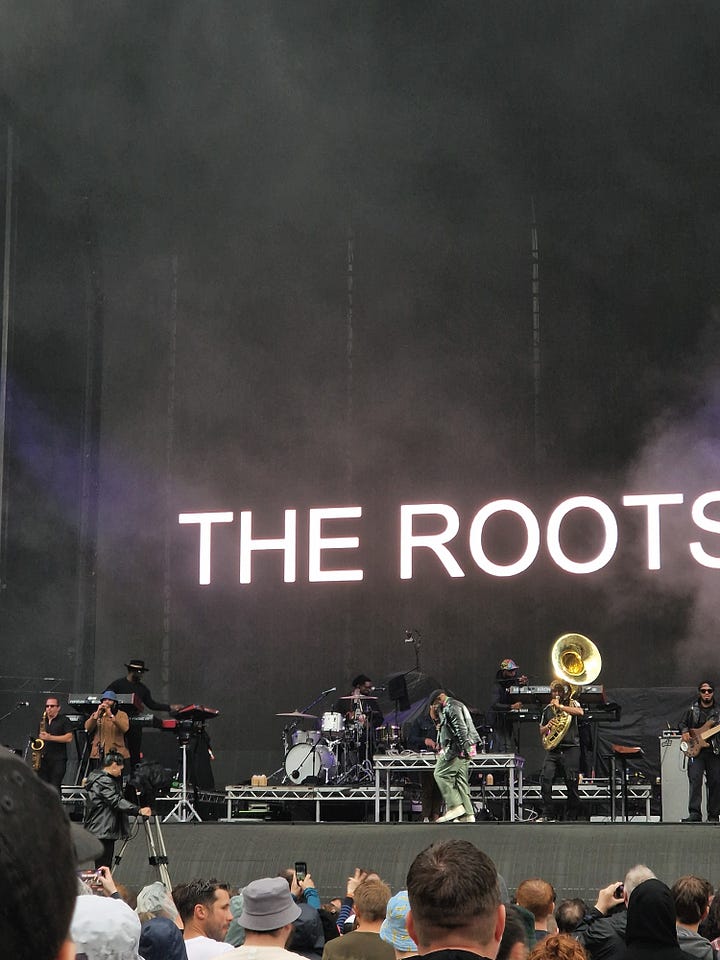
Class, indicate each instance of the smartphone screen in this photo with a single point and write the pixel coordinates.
(300, 870)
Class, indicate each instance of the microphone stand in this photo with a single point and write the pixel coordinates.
(413, 637)
(18, 706)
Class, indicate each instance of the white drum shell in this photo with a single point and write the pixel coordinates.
(304, 736)
(332, 723)
(302, 761)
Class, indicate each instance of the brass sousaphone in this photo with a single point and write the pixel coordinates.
(576, 661)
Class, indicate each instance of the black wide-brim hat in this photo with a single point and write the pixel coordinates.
(137, 665)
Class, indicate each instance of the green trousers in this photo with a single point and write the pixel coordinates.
(451, 777)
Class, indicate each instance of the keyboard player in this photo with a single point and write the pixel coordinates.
(508, 675)
(132, 683)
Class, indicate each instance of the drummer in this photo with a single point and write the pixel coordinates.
(360, 708)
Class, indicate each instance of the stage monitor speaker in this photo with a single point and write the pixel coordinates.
(674, 779)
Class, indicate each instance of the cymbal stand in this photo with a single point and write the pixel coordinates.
(286, 740)
(363, 769)
(183, 811)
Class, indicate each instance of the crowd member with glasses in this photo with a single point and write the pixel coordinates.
(56, 733)
(702, 713)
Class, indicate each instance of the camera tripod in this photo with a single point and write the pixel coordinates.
(154, 844)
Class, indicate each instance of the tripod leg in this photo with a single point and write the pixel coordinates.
(118, 856)
(153, 859)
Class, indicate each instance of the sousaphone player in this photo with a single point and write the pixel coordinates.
(576, 661)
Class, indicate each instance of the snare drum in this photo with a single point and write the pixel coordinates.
(305, 761)
(304, 736)
(332, 723)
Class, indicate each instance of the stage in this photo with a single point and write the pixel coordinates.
(577, 858)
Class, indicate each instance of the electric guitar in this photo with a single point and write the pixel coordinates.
(699, 738)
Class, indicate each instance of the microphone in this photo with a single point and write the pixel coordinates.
(23, 703)
(329, 690)
(377, 688)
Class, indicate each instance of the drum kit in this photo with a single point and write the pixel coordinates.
(331, 749)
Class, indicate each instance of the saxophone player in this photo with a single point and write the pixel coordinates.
(55, 733)
(563, 750)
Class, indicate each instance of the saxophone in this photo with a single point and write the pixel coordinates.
(37, 746)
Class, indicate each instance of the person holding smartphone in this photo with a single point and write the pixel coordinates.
(302, 885)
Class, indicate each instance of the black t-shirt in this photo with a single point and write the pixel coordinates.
(58, 728)
(451, 954)
(572, 737)
(123, 685)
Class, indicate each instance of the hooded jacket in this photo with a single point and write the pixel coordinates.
(651, 932)
(162, 939)
(105, 929)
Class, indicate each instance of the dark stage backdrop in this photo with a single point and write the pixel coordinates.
(310, 258)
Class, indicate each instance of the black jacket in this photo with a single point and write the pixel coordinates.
(106, 810)
(456, 732)
(603, 937)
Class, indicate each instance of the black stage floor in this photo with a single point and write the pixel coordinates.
(577, 858)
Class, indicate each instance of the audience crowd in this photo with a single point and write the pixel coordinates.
(58, 904)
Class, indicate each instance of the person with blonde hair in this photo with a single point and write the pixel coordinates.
(371, 900)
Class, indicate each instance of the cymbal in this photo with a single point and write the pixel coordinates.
(361, 696)
(298, 715)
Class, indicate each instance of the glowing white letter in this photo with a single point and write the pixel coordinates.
(533, 537)
(435, 541)
(705, 523)
(287, 544)
(206, 520)
(611, 534)
(653, 502)
(316, 543)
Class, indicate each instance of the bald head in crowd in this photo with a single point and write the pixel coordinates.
(38, 885)
(455, 900)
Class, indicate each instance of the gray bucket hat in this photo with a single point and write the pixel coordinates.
(268, 905)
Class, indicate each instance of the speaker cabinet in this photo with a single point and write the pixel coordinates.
(674, 779)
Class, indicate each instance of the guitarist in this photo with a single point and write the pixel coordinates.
(706, 765)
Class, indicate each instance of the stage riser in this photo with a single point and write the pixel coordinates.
(576, 858)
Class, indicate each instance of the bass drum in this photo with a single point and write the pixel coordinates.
(304, 762)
